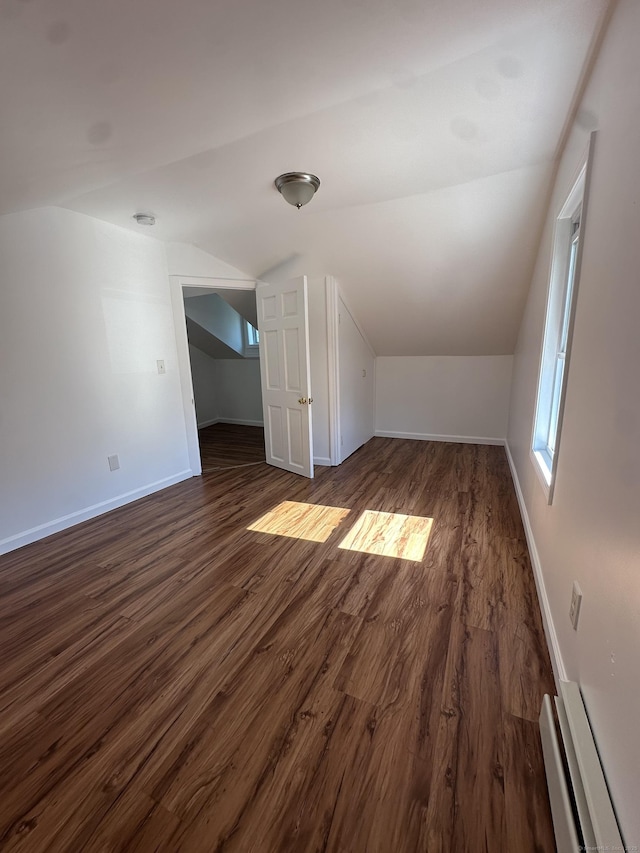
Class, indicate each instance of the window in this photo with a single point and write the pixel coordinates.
(563, 287)
(251, 340)
(253, 336)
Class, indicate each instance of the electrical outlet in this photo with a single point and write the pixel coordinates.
(576, 601)
(161, 367)
(114, 462)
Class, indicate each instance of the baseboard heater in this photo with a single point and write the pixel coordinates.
(583, 815)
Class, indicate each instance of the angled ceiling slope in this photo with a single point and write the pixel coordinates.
(432, 126)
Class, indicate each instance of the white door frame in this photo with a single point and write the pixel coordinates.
(176, 283)
(333, 368)
(333, 297)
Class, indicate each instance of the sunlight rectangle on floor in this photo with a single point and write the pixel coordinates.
(389, 534)
(300, 521)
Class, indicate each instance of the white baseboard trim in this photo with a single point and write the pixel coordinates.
(321, 460)
(229, 421)
(457, 439)
(208, 423)
(557, 663)
(12, 543)
(240, 422)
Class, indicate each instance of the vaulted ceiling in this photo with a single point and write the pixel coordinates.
(432, 124)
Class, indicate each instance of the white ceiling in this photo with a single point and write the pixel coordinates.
(432, 124)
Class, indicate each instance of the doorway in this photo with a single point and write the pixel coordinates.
(328, 366)
(219, 363)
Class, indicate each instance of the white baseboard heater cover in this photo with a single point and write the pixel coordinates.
(583, 816)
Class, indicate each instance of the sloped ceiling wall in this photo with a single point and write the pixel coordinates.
(242, 301)
(433, 127)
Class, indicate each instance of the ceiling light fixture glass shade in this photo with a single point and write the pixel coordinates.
(298, 188)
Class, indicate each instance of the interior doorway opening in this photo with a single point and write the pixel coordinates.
(219, 364)
(342, 366)
(224, 360)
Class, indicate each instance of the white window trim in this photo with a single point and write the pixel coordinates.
(250, 350)
(545, 464)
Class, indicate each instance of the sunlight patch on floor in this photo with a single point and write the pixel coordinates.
(300, 521)
(389, 534)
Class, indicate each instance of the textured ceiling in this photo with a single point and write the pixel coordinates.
(433, 127)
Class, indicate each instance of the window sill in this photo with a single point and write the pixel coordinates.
(543, 470)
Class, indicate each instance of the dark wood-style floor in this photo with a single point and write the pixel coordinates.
(173, 681)
(230, 445)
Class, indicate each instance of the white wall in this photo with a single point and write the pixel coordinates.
(206, 395)
(219, 319)
(356, 364)
(239, 390)
(84, 315)
(226, 389)
(183, 259)
(450, 398)
(591, 533)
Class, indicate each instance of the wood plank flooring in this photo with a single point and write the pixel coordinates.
(173, 680)
(230, 445)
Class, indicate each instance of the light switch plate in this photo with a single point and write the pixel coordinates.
(576, 601)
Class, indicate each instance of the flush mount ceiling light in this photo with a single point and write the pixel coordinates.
(298, 188)
(144, 218)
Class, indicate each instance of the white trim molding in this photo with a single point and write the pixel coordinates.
(11, 543)
(206, 424)
(333, 369)
(240, 422)
(214, 282)
(557, 663)
(456, 439)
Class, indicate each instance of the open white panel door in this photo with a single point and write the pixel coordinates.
(284, 367)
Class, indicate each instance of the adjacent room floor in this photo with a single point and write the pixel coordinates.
(230, 445)
(251, 661)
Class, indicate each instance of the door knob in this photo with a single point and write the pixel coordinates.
(311, 399)
(302, 400)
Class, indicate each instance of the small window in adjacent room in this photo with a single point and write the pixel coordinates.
(561, 300)
(253, 335)
(251, 340)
